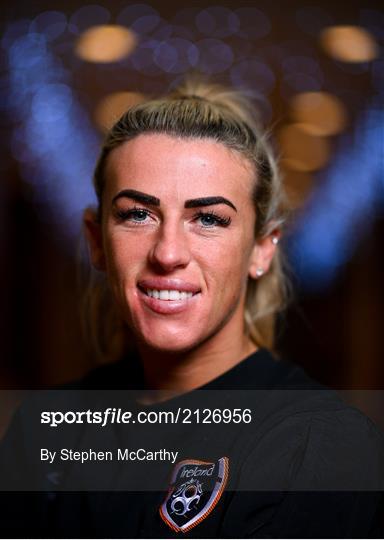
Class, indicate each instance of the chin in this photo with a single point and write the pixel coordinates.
(170, 344)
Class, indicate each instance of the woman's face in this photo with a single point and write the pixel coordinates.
(177, 239)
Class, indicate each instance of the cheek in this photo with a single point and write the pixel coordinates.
(121, 268)
(226, 264)
(124, 258)
(124, 254)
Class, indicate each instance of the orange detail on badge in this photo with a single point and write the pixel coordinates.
(195, 489)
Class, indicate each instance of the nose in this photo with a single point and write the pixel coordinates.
(170, 249)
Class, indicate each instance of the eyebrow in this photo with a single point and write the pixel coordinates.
(145, 198)
(138, 196)
(208, 201)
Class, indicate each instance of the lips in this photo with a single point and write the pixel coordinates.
(167, 284)
(168, 296)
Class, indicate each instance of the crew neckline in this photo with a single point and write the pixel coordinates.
(256, 371)
(256, 362)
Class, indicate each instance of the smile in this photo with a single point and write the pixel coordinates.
(168, 301)
(168, 294)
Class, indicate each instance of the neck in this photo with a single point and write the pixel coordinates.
(178, 373)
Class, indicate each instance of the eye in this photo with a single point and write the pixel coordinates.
(210, 219)
(135, 215)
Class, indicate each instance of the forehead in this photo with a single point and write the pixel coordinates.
(177, 168)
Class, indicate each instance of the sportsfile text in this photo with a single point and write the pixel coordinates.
(113, 415)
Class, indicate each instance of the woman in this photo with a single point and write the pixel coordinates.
(190, 201)
(185, 239)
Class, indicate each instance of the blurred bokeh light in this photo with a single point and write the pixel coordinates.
(215, 56)
(50, 23)
(176, 55)
(217, 22)
(302, 151)
(318, 113)
(140, 18)
(349, 43)
(253, 74)
(112, 107)
(105, 43)
(298, 186)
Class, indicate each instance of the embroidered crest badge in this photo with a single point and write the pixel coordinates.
(195, 489)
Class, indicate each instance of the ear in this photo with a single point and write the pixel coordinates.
(262, 254)
(93, 234)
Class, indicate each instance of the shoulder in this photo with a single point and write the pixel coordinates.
(314, 466)
(306, 436)
(313, 446)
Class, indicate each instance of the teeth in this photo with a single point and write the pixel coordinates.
(164, 295)
(169, 294)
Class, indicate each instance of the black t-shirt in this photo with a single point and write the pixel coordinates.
(306, 466)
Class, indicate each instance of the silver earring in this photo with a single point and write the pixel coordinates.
(259, 272)
(275, 240)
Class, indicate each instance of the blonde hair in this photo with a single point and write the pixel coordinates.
(200, 110)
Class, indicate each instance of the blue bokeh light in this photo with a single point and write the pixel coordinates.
(28, 52)
(145, 24)
(143, 57)
(53, 139)
(254, 74)
(217, 22)
(214, 56)
(300, 74)
(51, 102)
(295, 83)
(176, 55)
(15, 30)
(141, 18)
(302, 64)
(341, 209)
(183, 32)
(50, 23)
(163, 32)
